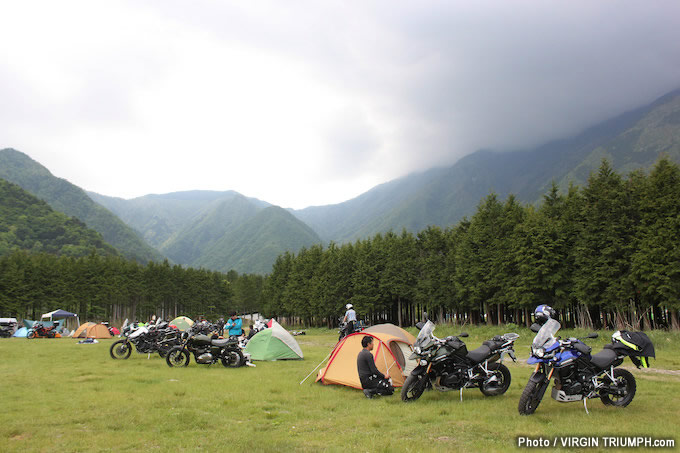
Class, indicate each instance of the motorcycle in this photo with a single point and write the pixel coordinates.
(206, 351)
(446, 364)
(578, 375)
(343, 328)
(40, 331)
(159, 338)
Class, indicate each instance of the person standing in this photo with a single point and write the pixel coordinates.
(372, 380)
(234, 325)
(350, 318)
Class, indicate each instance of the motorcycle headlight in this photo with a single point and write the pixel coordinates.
(539, 352)
(423, 362)
(417, 350)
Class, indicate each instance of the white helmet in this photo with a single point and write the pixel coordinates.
(348, 306)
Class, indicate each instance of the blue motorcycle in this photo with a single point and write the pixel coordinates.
(578, 375)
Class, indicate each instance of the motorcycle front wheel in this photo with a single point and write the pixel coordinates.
(413, 388)
(177, 357)
(529, 401)
(120, 349)
(30, 335)
(501, 383)
(233, 359)
(626, 382)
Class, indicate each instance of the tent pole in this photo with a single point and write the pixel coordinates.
(329, 354)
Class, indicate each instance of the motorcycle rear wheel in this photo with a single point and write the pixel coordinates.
(626, 379)
(120, 349)
(528, 402)
(234, 359)
(413, 388)
(501, 385)
(177, 357)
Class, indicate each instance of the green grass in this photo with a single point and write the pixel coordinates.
(58, 395)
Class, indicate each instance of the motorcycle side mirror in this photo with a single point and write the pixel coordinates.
(420, 325)
(463, 334)
(592, 335)
(535, 328)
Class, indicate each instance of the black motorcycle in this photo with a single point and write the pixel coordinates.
(158, 338)
(577, 374)
(207, 350)
(446, 364)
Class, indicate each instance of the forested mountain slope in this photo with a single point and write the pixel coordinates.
(443, 196)
(28, 223)
(65, 197)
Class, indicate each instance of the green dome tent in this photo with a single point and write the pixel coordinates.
(274, 343)
(182, 322)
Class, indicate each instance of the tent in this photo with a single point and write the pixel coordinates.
(391, 352)
(21, 333)
(59, 314)
(91, 330)
(182, 322)
(273, 344)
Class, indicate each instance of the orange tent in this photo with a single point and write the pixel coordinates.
(391, 354)
(92, 330)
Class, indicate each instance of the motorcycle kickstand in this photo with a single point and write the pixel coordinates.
(461, 394)
(585, 406)
(148, 357)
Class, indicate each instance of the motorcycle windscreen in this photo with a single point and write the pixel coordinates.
(546, 333)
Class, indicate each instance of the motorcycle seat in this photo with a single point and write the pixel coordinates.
(480, 354)
(223, 343)
(603, 359)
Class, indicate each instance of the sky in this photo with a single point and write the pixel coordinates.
(307, 102)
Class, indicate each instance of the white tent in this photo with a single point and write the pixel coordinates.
(60, 314)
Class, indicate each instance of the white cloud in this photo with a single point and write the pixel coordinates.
(304, 102)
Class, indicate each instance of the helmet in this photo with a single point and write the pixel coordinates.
(543, 313)
(348, 306)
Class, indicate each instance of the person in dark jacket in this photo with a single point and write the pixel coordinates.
(372, 380)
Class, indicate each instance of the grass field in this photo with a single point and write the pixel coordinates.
(59, 395)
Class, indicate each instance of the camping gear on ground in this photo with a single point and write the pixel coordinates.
(7, 327)
(635, 345)
(391, 352)
(88, 341)
(21, 332)
(160, 337)
(579, 375)
(445, 364)
(207, 350)
(39, 330)
(273, 344)
(182, 322)
(91, 330)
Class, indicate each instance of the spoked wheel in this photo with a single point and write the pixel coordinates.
(120, 349)
(529, 401)
(233, 359)
(31, 334)
(413, 388)
(625, 384)
(499, 381)
(177, 357)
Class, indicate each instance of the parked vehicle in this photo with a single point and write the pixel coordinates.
(160, 338)
(578, 375)
(7, 327)
(206, 350)
(446, 364)
(40, 331)
(343, 328)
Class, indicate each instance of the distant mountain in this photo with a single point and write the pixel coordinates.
(65, 197)
(443, 196)
(215, 230)
(28, 223)
(254, 245)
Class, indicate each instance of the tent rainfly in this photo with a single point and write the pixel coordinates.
(91, 330)
(274, 343)
(391, 353)
(182, 322)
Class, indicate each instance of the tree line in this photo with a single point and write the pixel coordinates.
(112, 288)
(605, 255)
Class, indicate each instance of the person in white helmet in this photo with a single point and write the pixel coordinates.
(350, 318)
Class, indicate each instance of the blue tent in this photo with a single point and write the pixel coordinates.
(21, 333)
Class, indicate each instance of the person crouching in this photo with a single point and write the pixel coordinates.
(372, 381)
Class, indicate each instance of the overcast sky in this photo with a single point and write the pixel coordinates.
(313, 102)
